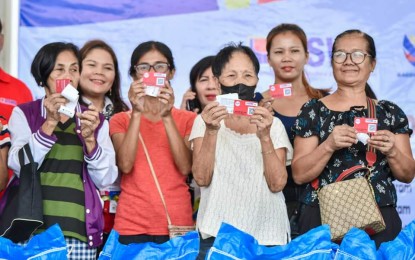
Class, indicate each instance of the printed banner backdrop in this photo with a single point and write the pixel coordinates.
(194, 29)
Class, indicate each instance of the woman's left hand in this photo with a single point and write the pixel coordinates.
(166, 98)
(263, 120)
(383, 141)
(89, 122)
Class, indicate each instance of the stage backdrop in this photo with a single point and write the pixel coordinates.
(194, 29)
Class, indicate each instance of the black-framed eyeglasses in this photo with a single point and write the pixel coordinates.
(357, 57)
(161, 67)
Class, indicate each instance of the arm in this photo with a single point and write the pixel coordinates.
(39, 142)
(275, 171)
(310, 158)
(3, 167)
(101, 161)
(126, 144)
(179, 147)
(398, 152)
(204, 148)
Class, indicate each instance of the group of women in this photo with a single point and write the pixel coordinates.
(250, 175)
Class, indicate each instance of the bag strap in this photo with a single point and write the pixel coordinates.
(370, 152)
(25, 148)
(155, 178)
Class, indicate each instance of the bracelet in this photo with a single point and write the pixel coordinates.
(267, 152)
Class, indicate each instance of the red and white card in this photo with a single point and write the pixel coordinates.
(153, 81)
(244, 107)
(61, 84)
(281, 90)
(365, 125)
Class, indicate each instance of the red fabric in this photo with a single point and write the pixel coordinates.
(140, 210)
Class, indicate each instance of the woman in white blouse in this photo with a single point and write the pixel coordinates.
(239, 161)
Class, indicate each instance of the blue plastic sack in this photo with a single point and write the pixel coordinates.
(355, 245)
(48, 245)
(183, 247)
(402, 247)
(231, 243)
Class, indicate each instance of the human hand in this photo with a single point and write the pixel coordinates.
(342, 136)
(383, 141)
(135, 94)
(89, 123)
(212, 114)
(52, 103)
(187, 96)
(267, 103)
(263, 119)
(166, 98)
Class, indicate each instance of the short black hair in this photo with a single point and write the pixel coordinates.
(1, 26)
(224, 55)
(146, 47)
(45, 59)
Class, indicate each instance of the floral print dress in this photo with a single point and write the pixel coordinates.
(315, 119)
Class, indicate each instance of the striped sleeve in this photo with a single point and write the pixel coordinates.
(4, 134)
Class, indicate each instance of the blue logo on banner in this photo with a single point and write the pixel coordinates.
(409, 48)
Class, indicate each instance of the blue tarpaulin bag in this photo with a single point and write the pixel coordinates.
(231, 243)
(48, 245)
(182, 247)
(402, 247)
(355, 245)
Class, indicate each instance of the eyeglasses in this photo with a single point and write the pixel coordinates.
(161, 67)
(357, 57)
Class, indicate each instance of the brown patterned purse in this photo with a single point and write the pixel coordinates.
(351, 203)
(174, 230)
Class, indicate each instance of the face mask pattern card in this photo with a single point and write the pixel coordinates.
(281, 90)
(244, 107)
(153, 81)
(61, 84)
(365, 125)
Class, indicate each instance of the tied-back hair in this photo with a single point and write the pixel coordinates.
(114, 93)
(371, 50)
(297, 31)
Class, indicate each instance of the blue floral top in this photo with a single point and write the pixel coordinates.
(315, 119)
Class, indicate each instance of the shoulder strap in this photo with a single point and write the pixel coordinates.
(22, 151)
(155, 178)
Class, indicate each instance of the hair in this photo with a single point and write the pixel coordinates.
(45, 59)
(1, 26)
(114, 93)
(225, 54)
(371, 49)
(196, 72)
(297, 31)
(146, 47)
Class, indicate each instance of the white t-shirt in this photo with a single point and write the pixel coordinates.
(238, 193)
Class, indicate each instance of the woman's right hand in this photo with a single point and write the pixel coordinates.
(135, 94)
(212, 114)
(343, 136)
(52, 104)
(188, 95)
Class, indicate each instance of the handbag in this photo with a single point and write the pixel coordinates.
(23, 206)
(351, 203)
(174, 230)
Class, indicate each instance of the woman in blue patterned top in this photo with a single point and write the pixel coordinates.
(326, 143)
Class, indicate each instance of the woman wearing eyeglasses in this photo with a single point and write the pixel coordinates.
(326, 142)
(165, 130)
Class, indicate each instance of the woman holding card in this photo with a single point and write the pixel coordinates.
(287, 55)
(141, 216)
(75, 154)
(326, 142)
(239, 161)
